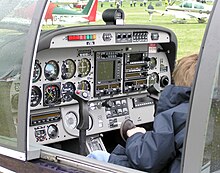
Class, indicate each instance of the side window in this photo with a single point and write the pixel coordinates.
(181, 5)
(211, 155)
(198, 6)
(15, 21)
(187, 5)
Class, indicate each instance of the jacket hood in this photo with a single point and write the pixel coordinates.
(172, 96)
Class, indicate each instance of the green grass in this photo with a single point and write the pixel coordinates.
(189, 35)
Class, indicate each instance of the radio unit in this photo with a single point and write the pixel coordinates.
(38, 119)
(136, 58)
(135, 71)
(108, 72)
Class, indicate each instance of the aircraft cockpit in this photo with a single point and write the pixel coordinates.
(65, 89)
(116, 70)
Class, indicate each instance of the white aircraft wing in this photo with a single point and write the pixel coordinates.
(181, 14)
(176, 14)
(198, 15)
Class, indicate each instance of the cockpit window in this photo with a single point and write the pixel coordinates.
(64, 13)
(187, 5)
(15, 20)
(198, 6)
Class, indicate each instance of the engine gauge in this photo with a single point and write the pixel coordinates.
(68, 91)
(37, 71)
(52, 131)
(51, 94)
(84, 67)
(68, 69)
(51, 70)
(152, 63)
(84, 85)
(35, 96)
(153, 78)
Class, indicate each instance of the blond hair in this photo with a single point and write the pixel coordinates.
(184, 70)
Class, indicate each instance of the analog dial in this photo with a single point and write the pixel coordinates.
(68, 69)
(51, 70)
(153, 78)
(68, 91)
(51, 94)
(35, 96)
(152, 63)
(37, 71)
(84, 85)
(84, 67)
(52, 131)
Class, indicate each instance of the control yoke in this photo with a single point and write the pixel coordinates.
(82, 96)
(154, 91)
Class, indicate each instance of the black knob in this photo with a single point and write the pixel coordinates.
(146, 59)
(164, 81)
(107, 103)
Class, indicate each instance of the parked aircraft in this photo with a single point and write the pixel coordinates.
(62, 15)
(187, 10)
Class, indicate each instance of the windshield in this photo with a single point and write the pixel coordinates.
(53, 67)
(15, 21)
(189, 30)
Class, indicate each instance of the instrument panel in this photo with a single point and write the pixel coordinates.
(116, 67)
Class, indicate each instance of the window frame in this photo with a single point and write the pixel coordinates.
(20, 152)
(199, 110)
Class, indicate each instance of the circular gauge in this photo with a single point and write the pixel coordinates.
(68, 91)
(153, 78)
(71, 120)
(152, 63)
(68, 69)
(35, 96)
(37, 71)
(84, 85)
(84, 67)
(51, 70)
(51, 94)
(52, 131)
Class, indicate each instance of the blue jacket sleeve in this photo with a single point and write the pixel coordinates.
(153, 150)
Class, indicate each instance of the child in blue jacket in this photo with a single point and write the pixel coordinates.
(159, 150)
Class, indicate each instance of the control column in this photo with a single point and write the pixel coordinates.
(82, 97)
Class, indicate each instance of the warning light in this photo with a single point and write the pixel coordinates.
(81, 37)
(94, 36)
(87, 37)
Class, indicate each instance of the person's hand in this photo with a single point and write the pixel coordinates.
(135, 130)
